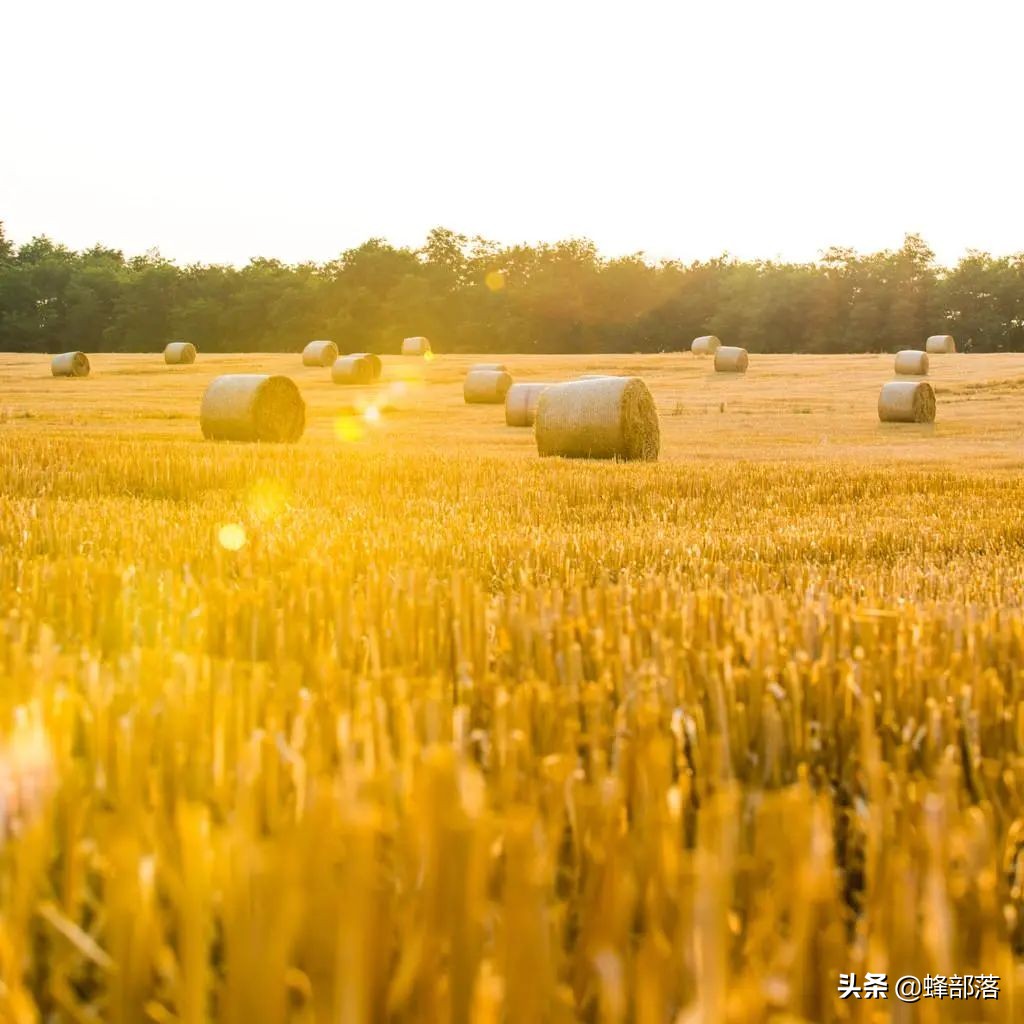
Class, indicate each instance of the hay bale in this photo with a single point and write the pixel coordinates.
(912, 362)
(180, 353)
(706, 345)
(729, 359)
(601, 418)
(906, 401)
(252, 407)
(354, 369)
(415, 346)
(940, 343)
(486, 387)
(320, 353)
(521, 403)
(374, 360)
(70, 364)
(488, 366)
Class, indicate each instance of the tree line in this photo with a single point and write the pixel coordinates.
(473, 295)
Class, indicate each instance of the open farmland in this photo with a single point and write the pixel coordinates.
(404, 723)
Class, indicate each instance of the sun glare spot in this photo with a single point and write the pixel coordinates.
(347, 429)
(428, 357)
(495, 280)
(372, 414)
(231, 536)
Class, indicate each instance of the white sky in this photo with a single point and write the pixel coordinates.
(217, 131)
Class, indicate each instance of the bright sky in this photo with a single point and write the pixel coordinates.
(217, 131)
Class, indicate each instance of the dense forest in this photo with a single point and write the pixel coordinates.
(469, 294)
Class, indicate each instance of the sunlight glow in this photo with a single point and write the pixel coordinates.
(231, 536)
(348, 430)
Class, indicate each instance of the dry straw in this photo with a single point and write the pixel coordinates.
(354, 369)
(252, 407)
(374, 360)
(706, 345)
(602, 418)
(488, 366)
(415, 346)
(940, 343)
(911, 362)
(179, 353)
(521, 403)
(319, 353)
(906, 401)
(486, 387)
(731, 360)
(70, 364)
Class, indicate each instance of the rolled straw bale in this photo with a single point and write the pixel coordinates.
(729, 359)
(706, 345)
(487, 387)
(906, 401)
(488, 366)
(415, 346)
(180, 353)
(521, 403)
(940, 343)
(252, 407)
(601, 418)
(320, 353)
(70, 364)
(374, 360)
(354, 369)
(912, 362)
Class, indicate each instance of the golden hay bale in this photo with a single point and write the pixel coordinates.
(70, 364)
(354, 369)
(729, 359)
(912, 362)
(486, 387)
(940, 343)
(602, 418)
(706, 345)
(252, 407)
(180, 353)
(319, 353)
(488, 366)
(906, 401)
(521, 403)
(374, 360)
(415, 346)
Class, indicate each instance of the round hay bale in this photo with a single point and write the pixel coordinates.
(601, 418)
(729, 359)
(374, 360)
(488, 366)
(906, 401)
(486, 387)
(415, 346)
(940, 343)
(252, 407)
(912, 362)
(180, 353)
(706, 345)
(320, 353)
(70, 364)
(521, 403)
(354, 369)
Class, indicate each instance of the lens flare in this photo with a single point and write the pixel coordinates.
(428, 357)
(371, 414)
(231, 536)
(495, 280)
(348, 430)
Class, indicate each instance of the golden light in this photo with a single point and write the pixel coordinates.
(495, 280)
(231, 536)
(267, 498)
(428, 357)
(371, 414)
(347, 429)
